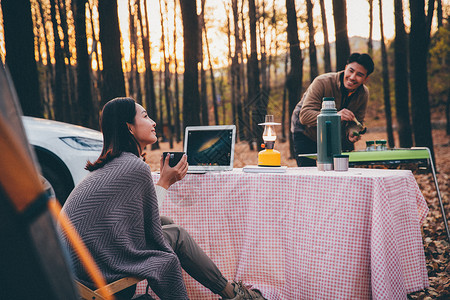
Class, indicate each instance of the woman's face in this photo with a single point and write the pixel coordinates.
(143, 128)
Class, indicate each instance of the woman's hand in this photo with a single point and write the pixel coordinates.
(170, 175)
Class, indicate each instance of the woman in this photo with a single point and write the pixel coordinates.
(115, 210)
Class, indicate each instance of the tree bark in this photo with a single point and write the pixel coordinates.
(134, 85)
(340, 25)
(386, 88)
(429, 19)
(70, 110)
(258, 105)
(439, 13)
(213, 82)
(203, 91)
(150, 94)
(191, 104)
(370, 41)
(61, 99)
(19, 56)
(313, 67)
(88, 108)
(178, 130)
(326, 45)
(49, 72)
(294, 81)
(241, 115)
(113, 78)
(418, 76)
(401, 80)
(167, 95)
(95, 74)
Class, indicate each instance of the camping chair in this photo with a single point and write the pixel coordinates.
(112, 288)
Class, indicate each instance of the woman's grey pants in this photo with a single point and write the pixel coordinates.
(192, 258)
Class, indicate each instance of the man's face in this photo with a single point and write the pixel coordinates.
(354, 75)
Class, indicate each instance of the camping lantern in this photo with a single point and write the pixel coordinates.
(269, 157)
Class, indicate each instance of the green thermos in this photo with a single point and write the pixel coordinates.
(328, 134)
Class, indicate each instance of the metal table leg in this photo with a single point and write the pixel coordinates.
(444, 216)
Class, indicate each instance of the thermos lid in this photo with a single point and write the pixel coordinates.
(328, 103)
(341, 155)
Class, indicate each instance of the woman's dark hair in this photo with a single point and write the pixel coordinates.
(364, 60)
(116, 136)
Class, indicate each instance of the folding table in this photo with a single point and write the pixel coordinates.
(421, 156)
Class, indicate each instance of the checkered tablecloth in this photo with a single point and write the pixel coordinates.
(306, 234)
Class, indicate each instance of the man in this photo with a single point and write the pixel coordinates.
(351, 97)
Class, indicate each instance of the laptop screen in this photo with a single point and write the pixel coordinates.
(210, 148)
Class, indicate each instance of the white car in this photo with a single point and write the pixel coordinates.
(62, 150)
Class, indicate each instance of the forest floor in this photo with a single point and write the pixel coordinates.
(436, 243)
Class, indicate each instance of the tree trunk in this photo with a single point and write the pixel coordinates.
(340, 25)
(386, 89)
(150, 95)
(60, 71)
(241, 113)
(133, 75)
(258, 105)
(439, 13)
(294, 81)
(273, 52)
(19, 58)
(88, 109)
(284, 113)
(70, 110)
(370, 41)
(326, 45)
(166, 77)
(203, 93)
(429, 20)
(447, 113)
(313, 67)
(418, 76)
(178, 130)
(401, 80)
(260, 20)
(49, 73)
(232, 69)
(113, 79)
(213, 83)
(191, 105)
(95, 75)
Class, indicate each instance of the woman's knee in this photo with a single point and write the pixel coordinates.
(166, 220)
(176, 236)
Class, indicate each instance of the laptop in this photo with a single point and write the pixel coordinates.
(210, 148)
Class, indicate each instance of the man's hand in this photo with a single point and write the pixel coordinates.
(171, 175)
(346, 115)
(352, 137)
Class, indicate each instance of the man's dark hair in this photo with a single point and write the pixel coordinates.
(363, 59)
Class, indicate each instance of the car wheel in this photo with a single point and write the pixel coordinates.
(57, 183)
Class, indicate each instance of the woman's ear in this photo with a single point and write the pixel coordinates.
(130, 128)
